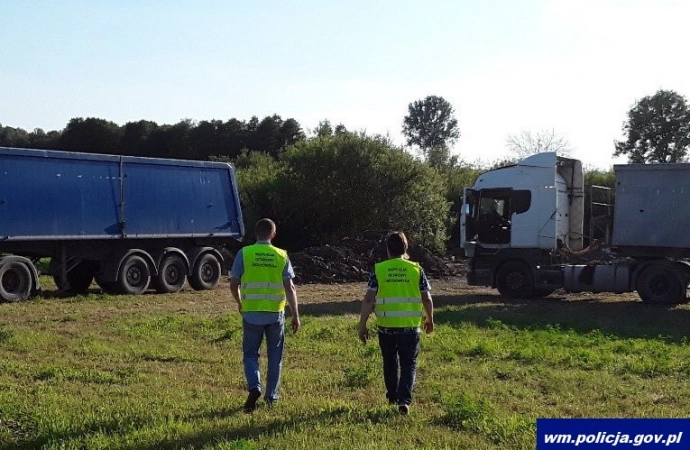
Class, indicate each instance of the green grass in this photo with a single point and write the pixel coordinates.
(165, 372)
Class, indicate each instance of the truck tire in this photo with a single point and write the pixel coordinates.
(660, 285)
(172, 274)
(515, 280)
(15, 282)
(206, 272)
(134, 276)
(79, 278)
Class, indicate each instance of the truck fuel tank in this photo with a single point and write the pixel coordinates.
(596, 278)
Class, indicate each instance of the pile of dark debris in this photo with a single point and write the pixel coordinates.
(353, 259)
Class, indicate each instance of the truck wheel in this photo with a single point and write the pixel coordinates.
(79, 278)
(660, 285)
(515, 280)
(15, 282)
(134, 276)
(206, 273)
(172, 273)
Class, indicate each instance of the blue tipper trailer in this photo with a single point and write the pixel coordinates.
(129, 223)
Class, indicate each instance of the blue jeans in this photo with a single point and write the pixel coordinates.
(399, 351)
(251, 342)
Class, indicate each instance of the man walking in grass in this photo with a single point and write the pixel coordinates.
(398, 292)
(265, 274)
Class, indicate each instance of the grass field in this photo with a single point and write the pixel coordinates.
(165, 371)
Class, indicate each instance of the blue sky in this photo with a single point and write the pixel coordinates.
(571, 66)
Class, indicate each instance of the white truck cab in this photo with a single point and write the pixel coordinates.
(518, 212)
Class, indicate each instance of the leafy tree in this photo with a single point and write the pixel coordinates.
(268, 138)
(340, 129)
(91, 135)
(527, 143)
(291, 132)
(658, 130)
(456, 176)
(324, 129)
(13, 137)
(40, 139)
(135, 135)
(432, 127)
(258, 178)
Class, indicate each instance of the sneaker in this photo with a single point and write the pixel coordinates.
(250, 404)
(404, 409)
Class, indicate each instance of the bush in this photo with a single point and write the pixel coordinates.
(324, 189)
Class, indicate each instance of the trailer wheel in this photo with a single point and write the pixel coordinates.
(172, 273)
(15, 282)
(660, 284)
(515, 280)
(206, 273)
(109, 287)
(134, 276)
(79, 278)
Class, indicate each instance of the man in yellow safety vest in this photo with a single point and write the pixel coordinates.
(399, 294)
(265, 274)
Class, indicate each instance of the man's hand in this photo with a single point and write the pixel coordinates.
(239, 307)
(363, 333)
(428, 326)
(295, 324)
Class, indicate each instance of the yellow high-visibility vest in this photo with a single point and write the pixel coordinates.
(398, 300)
(262, 281)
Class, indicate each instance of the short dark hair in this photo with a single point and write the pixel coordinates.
(396, 243)
(264, 228)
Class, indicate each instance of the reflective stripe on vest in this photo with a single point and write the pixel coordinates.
(262, 280)
(398, 300)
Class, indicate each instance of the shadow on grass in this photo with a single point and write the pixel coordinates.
(625, 318)
(247, 432)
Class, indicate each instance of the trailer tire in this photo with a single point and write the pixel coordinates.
(134, 276)
(172, 274)
(109, 287)
(515, 280)
(660, 285)
(15, 282)
(79, 278)
(206, 272)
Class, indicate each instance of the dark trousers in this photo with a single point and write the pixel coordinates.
(399, 350)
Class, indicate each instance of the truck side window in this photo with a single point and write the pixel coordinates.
(520, 201)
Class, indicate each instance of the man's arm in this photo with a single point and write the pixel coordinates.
(367, 308)
(235, 291)
(291, 296)
(428, 305)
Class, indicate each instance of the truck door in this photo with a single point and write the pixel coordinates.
(468, 216)
(493, 216)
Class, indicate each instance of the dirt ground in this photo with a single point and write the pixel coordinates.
(352, 259)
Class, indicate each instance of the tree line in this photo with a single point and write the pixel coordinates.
(183, 140)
